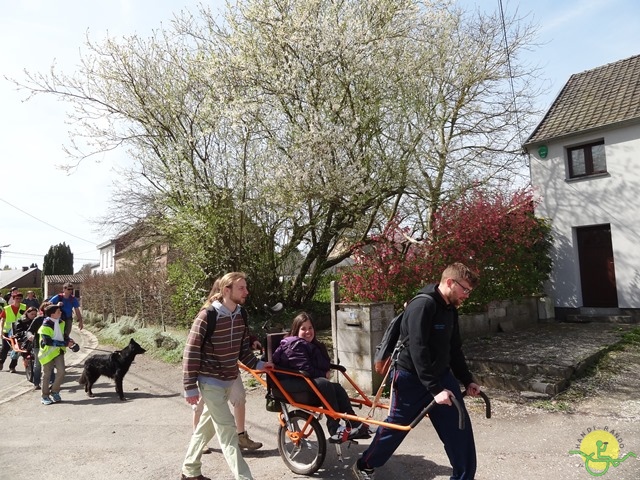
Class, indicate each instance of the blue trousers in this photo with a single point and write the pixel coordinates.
(409, 397)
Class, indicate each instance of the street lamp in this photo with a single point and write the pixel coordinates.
(3, 246)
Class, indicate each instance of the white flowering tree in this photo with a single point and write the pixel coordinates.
(275, 140)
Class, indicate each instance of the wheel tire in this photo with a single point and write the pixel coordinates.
(307, 456)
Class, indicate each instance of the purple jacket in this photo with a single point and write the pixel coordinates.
(298, 354)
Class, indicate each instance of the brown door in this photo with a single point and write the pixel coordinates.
(597, 271)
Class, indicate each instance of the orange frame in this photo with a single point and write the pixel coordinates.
(361, 399)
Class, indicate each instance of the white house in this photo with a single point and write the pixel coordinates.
(107, 257)
(585, 164)
(141, 240)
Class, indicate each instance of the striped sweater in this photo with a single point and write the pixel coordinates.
(217, 363)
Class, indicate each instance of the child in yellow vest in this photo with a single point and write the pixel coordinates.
(53, 345)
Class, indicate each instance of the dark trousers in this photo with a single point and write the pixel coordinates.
(409, 398)
(4, 351)
(333, 392)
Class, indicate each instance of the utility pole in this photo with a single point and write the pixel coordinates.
(3, 246)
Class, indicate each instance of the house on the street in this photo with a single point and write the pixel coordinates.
(585, 164)
(140, 241)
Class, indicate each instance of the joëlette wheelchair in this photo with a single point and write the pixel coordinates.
(302, 443)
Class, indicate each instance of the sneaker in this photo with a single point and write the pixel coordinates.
(207, 450)
(366, 474)
(36, 387)
(199, 477)
(361, 431)
(55, 396)
(12, 370)
(341, 435)
(245, 443)
(46, 401)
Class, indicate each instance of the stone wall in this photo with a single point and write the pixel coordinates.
(357, 330)
(504, 315)
(358, 327)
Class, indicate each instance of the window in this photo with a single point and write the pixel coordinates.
(587, 160)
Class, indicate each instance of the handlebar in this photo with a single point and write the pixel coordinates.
(456, 404)
(487, 402)
(433, 403)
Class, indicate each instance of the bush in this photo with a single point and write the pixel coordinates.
(127, 330)
(498, 236)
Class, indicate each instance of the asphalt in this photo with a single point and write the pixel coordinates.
(146, 436)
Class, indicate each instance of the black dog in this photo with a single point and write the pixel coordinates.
(115, 366)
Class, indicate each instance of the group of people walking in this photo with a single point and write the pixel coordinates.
(431, 367)
(43, 331)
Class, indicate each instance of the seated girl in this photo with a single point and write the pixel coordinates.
(302, 351)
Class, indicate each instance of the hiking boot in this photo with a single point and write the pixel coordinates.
(46, 401)
(245, 443)
(199, 477)
(366, 474)
(55, 396)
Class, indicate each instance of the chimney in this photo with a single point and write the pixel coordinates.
(24, 269)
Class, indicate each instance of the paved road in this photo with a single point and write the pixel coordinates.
(146, 437)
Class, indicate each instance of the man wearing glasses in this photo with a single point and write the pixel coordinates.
(70, 304)
(431, 367)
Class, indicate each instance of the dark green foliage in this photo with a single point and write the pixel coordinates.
(58, 260)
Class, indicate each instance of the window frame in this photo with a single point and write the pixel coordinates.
(587, 149)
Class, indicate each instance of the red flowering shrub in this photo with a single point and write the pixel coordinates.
(496, 235)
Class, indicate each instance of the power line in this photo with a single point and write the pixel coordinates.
(21, 254)
(513, 91)
(46, 223)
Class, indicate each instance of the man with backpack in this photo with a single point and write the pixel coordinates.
(209, 370)
(430, 367)
(70, 305)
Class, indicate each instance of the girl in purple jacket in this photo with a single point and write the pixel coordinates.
(302, 351)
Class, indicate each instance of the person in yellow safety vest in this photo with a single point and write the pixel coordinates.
(8, 315)
(53, 343)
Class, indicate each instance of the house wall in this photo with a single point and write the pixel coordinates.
(612, 199)
(107, 258)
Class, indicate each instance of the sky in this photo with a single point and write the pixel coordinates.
(41, 205)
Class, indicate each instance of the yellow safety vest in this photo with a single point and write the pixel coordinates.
(10, 317)
(49, 352)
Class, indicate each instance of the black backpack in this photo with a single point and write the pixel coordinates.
(391, 338)
(212, 318)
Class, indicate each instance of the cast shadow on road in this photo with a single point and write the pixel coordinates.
(423, 468)
(262, 453)
(105, 394)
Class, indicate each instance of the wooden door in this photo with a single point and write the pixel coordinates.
(597, 270)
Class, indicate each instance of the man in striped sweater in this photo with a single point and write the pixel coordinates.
(210, 370)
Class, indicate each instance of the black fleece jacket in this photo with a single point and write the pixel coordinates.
(434, 343)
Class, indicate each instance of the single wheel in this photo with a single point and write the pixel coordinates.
(28, 367)
(302, 444)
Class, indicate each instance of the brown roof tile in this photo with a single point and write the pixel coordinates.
(592, 99)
